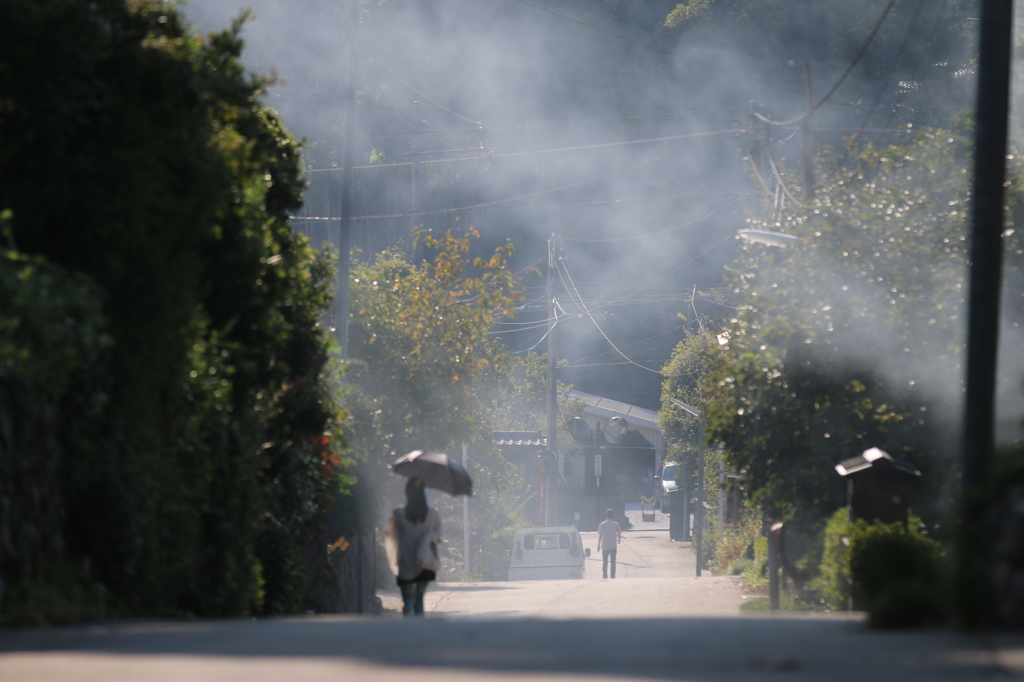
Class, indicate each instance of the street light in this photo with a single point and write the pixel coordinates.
(779, 239)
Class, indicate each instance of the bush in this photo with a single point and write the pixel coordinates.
(150, 192)
(895, 574)
(736, 551)
(833, 581)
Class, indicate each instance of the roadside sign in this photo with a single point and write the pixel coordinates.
(597, 465)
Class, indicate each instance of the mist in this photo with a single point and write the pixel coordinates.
(547, 101)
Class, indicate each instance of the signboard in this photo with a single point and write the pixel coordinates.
(597, 465)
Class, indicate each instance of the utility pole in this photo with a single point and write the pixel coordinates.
(807, 137)
(983, 300)
(465, 518)
(721, 498)
(414, 180)
(552, 377)
(699, 511)
(344, 233)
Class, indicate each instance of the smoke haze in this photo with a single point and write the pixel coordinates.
(537, 111)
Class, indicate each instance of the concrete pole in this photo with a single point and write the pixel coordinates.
(414, 180)
(348, 154)
(687, 494)
(465, 518)
(721, 498)
(552, 379)
(983, 301)
(698, 514)
(807, 137)
(986, 240)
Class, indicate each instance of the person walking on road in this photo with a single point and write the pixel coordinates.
(411, 539)
(609, 535)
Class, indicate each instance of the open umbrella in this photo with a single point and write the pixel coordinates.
(437, 471)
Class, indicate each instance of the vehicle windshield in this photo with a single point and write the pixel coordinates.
(669, 474)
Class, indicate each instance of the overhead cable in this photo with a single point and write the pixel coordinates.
(435, 103)
(603, 145)
(471, 207)
(778, 178)
(888, 76)
(561, 264)
(671, 272)
(835, 86)
(604, 202)
(672, 53)
(688, 223)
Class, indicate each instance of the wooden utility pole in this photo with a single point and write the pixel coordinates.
(983, 301)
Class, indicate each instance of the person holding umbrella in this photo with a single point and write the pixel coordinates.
(411, 539)
(414, 531)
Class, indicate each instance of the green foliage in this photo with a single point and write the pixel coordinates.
(684, 373)
(756, 572)
(735, 554)
(851, 337)
(426, 376)
(421, 331)
(833, 580)
(137, 158)
(830, 33)
(53, 345)
(687, 11)
(896, 574)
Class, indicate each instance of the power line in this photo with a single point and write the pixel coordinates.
(689, 223)
(888, 76)
(621, 201)
(473, 207)
(835, 86)
(603, 145)
(426, 97)
(560, 263)
(667, 331)
(671, 272)
(672, 53)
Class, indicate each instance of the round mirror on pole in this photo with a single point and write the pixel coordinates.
(579, 431)
(616, 430)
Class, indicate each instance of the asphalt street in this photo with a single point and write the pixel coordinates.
(651, 623)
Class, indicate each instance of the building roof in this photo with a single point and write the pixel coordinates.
(606, 407)
(597, 409)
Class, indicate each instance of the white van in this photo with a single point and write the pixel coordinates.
(547, 553)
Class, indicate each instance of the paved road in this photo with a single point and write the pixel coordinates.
(655, 578)
(498, 632)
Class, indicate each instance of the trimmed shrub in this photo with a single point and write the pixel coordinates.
(895, 574)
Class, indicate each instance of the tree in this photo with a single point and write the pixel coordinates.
(684, 373)
(851, 338)
(419, 334)
(137, 160)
